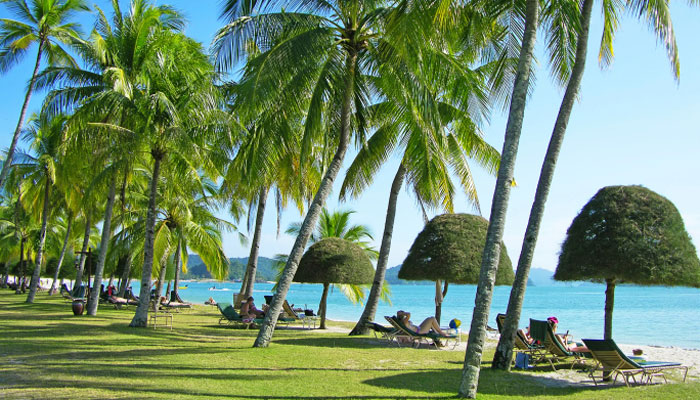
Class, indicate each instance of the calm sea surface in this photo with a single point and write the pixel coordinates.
(642, 315)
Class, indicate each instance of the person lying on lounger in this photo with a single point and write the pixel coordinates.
(426, 326)
(248, 310)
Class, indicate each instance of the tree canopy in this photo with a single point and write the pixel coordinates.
(335, 260)
(631, 234)
(449, 248)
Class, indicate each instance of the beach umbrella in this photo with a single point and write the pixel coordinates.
(334, 260)
(628, 234)
(449, 249)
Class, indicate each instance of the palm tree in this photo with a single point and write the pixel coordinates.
(436, 130)
(312, 55)
(45, 23)
(655, 13)
(38, 173)
(337, 225)
(178, 107)
(499, 205)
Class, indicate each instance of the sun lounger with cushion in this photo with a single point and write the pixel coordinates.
(614, 362)
(522, 343)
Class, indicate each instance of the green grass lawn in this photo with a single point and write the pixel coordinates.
(48, 353)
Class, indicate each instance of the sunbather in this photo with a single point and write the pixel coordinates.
(248, 310)
(426, 326)
(570, 345)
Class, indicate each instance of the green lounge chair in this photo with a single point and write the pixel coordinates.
(417, 338)
(231, 316)
(613, 361)
(554, 350)
(522, 343)
(384, 332)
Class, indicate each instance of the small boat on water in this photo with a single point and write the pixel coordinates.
(182, 287)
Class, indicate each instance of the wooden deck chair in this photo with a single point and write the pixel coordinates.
(613, 361)
(289, 315)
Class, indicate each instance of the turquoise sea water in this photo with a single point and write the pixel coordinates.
(642, 315)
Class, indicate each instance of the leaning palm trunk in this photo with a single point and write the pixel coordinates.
(490, 258)
(42, 242)
(176, 261)
(324, 189)
(140, 319)
(504, 352)
(370, 310)
(125, 276)
(251, 268)
(63, 254)
(22, 115)
(104, 243)
(83, 252)
(21, 263)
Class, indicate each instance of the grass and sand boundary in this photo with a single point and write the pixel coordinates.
(47, 352)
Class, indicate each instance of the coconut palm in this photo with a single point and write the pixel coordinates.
(47, 24)
(38, 174)
(179, 108)
(312, 55)
(658, 16)
(434, 127)
(499, 204)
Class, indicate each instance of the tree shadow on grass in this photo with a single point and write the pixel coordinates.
(490, 382)
(334, 342)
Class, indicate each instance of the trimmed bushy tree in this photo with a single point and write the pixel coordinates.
(449, 248)
(334, 260)
(628, 234)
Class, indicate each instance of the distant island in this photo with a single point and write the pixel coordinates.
(268, 272)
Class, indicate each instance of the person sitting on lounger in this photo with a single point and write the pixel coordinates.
(426, 326)
(211, 301)
(564, 338)
(248, 310)
(525, 334)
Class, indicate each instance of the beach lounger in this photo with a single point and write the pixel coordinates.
(417, 338)
(613, 361)
(553, 349)
(386, 332)
(231, 316)
(290, 315)
(522, 343)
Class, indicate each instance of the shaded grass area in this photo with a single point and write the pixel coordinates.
(47, 352)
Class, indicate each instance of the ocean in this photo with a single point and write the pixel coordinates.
(645, 315)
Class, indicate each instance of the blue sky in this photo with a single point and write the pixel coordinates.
(633, 125)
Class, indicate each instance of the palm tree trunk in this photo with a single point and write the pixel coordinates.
(104, 244)
(440, 293)
(307, 227)
(504, 351)
(63, 254)
(251, 268)
(140, 319)
(322, 306)
(83, 252)
(125, 276)
(176, 261)
(42, 242)
(18, 289)
(489, 262)
(370, 310)
(22, 115)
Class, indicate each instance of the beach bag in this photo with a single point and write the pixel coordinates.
(522, 361)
